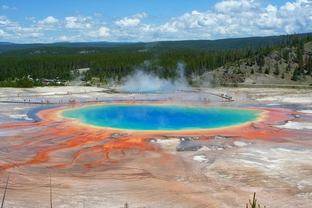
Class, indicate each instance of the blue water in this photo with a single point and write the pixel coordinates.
(160, 117)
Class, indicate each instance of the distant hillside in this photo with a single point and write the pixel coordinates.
(65, 48)
(225, 62)
(287, 65)
(222, 44)
(62, 48)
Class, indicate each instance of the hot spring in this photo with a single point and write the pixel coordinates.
(160, 117)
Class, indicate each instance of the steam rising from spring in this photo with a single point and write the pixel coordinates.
(142, 81)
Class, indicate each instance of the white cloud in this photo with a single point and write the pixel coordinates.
(71, 22)
(132, 21)
(35, 35)
(5, 7)
(4, 21)
(65, 38)
(18, 29)
(103, 31)
(30, 18)
(128, 22)
(289, 6)
(227, 6)
(79, 22)
(237, 18)
(98, 34)
(3, 34)
(140, 15)
(228, 18)
(48, 20)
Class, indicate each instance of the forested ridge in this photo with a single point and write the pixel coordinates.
(68, 47)
(114, 63)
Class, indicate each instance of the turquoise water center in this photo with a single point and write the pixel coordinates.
(160, 117)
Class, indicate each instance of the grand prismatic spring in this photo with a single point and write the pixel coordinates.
(160, 117)
(155, 150)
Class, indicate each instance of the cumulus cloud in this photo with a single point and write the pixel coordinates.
(4, 21)
(128, 22)
(227, 18)
(67, 38)
(288, 7)
(79, 22)
(140, 15)
(103, 31)
(71, 22)
(236, 18)
(2, 33)
(228, 6)
(48, 20)
(132, 21)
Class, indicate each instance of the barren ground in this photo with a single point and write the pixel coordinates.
(224, 172)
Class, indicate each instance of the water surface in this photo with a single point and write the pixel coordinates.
(161, 117)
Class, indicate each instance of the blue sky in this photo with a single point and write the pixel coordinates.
(46, 21)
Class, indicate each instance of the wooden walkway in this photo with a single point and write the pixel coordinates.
(74, 101)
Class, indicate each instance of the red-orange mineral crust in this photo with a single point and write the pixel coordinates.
(89, 167)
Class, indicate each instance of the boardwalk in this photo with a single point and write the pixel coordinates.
(74, 98)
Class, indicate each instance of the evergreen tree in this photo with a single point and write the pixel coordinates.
(267, 71)
(286, 55)
(276, 72)
(295, 75)
(300, 69)
(282, 43)
(309, 67)
(301, 46)
(288, 67)
(261, 61)
(306, 61)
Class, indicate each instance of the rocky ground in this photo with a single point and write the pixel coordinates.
(243, 73)
(224, 171)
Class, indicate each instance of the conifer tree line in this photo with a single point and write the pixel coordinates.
(163, 63)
